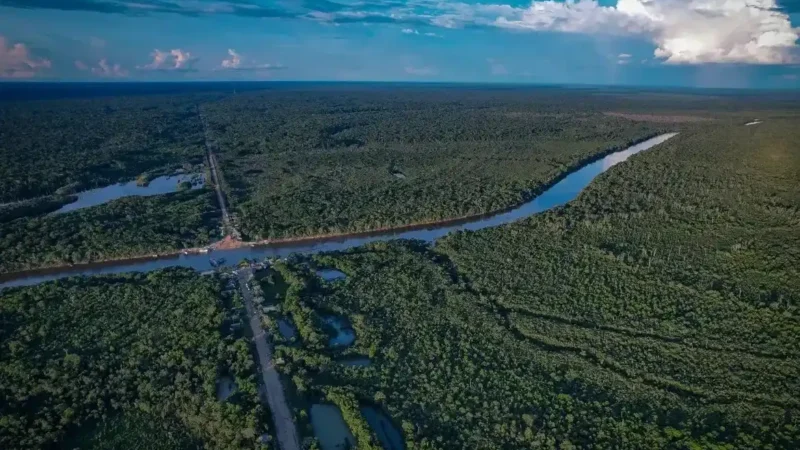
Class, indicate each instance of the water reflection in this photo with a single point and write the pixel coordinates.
(356, 361)
(330, 428)
(331, 274)
(157, 186)
(388, 434)
(286, 329)
(226, 386)
(560, 193)
(345, 335)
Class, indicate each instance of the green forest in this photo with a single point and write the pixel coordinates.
(126, 361)
(658, 310)
(52, 149)
(306, 162)
(66, 146)
(126, 227)
(313, 163)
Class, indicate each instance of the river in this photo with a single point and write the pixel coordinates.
(560, 193)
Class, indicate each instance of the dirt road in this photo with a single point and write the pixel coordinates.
(281, 414)
(211, 146)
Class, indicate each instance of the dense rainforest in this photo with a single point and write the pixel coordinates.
(312, 163)
(126, 227)
(126, 361)
(294, 163)
(65, 146)
(310, 160)
(52, 149)
(657, 310)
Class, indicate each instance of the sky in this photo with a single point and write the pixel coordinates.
(692, 43)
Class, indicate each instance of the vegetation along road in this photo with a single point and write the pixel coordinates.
(212, 166)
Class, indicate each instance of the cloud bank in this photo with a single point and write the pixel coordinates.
(236, 62)
(175, 60)
(16, 61)
(103, 69)
(683, 31)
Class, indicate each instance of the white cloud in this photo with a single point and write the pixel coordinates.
(174, 60)
(496, 67)
(16, 61)
(236, 62)
(421, 71)
(684, 31)
(417, 33)
(103, 69)
(624, 56)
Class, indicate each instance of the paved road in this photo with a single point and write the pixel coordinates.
(281, 414)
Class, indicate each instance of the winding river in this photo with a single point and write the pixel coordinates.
(560, 193)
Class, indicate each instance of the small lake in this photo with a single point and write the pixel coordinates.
(331, 274)
(345, 335)
(287, 329)
(330, 428)
(560, 193)
(388, 434)
(226, 386)
(157, 186)
(356, 361)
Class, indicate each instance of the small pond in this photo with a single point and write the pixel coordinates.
(287, 329)
(330, 428)
(331, 274)
(388, 433)
(356, 361)
(226, 386)
(345, 335)
(157, 186)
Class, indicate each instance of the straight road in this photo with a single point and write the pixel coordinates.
(276, 399)
(211, 145)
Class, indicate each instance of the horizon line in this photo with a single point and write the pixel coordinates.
(410, 82)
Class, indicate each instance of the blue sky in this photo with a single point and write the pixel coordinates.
(699, 43)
